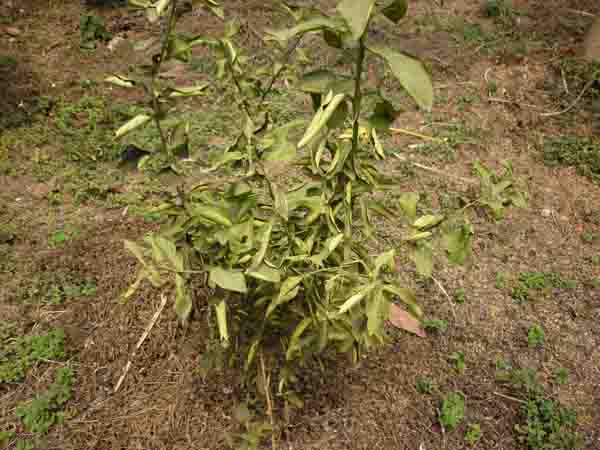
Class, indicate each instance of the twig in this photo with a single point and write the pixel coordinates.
(415, 134)
(508, 397)
(436, 171)
(572, 105)
(511, 102)
(141, 341)
(581, 13)
(439, 285)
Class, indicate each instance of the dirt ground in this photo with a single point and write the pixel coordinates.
(497, 85)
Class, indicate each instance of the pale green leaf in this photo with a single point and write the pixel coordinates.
(457, 241)
(221, 310)
(428, 221)
(315, 24)
(212, 213)
(259, 256)
(132, 124)
(183, 300)
(418, 236)
(357, 14)
(356, 298)
(137, 251)
(120, 81)
(289, 290)
(410, 73)
(265, 273)
(408, 203)
(320, 119)
(378, 310)
(228, 279)
(188, 91)
(384, 260)
(422, 255)
(322, 81)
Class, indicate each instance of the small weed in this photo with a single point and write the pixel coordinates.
(18, 356)
(578, 152)
(473, 434)
(438, 325)
(595, 260)
(460, 296)
(492, 88)
(424, 385)
(588, 237)
(535, 336)
(561, 376)
(60, 237)
(6, 436)
(539, 281)
(43, 412)
(459, 361)
(547, 425)
(453, 410)
(24, 445)
(500, 280)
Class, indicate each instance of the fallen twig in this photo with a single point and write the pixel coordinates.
(436, 171)
(141, 341)
(572, 105)
(508, 397)
(441, 288)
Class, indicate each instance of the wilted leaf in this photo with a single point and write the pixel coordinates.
(132, 124)
(428, 221)
(228, 279)
(120, 81)
(407, 296)
(410, 73)
(216, 215)
(356, 298)
(402, 320)
(320, 119)
(384, 260)
(315, 24)
(289, 290)
(457, 241)
(377, 312)
(293, 345)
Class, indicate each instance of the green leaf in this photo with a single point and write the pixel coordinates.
(259, 256)
(183, 300)
(289, 290)
(137, 251)
(383, 115)
(320, 119)
(214, 214)
(384, 260)
(132, 124)
(280, 201)
(418, 236)
(294, 340)
(457, 241)
(395, 10)
(378, 310)
(329, 246)
(322, 81)
(228, 279)
(221, 310)
(315, 24)
(408, 203)
(265, 273)
(357, 14)
(428, 221)
(410, 73)
(422, 256)
(356, 298)
(164, 249)
(453, 410)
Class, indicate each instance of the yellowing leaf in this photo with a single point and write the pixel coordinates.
(265, 273)
(221, 310)
(428, 221)
(356, 298)
(183, 301)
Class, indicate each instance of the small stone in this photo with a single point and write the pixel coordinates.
(546, 212)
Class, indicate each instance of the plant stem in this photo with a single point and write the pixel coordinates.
(285, 58)
(267, 388)
(355, 129)
(155, 72)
